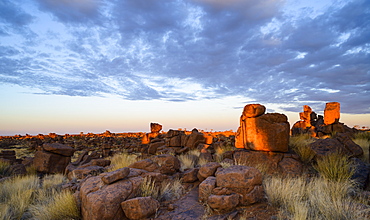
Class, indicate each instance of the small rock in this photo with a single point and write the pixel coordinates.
(116, 175)
(140, 207)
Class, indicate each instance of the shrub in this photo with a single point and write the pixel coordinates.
(335, 166)
(149, 188)
(119, 161)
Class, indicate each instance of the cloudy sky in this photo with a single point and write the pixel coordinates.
(93, 65)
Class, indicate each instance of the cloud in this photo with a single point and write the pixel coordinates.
(194, 50)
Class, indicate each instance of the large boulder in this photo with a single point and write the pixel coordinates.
(53, 158)
(194, 139)
(60, 149)
(46, 162)
(285, 164)
(101, 201)
(331, 113)
(238, 177)
(140, 207)
(266, 132)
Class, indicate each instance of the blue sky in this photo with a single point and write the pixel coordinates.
(93, 65)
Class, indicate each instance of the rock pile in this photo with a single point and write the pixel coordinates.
(318, 125)
(232, 186)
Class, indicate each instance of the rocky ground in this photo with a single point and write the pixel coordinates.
(220, 174)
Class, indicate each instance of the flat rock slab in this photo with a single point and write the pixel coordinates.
(186, 208)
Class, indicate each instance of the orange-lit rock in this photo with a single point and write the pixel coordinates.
(253, 110)
(331, 113)
(155, 127)
(267, 132)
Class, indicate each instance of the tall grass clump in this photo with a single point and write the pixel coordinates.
(59, 205)
(363, 140)
(220, 150)
(317, 198)
(300, 145)
(119, 161)
(16, 195)
(187, 161)
(4, 168)
(164, 191)
(28, 197)
(335, 166)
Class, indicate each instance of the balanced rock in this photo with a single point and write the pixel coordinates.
(155, 127)
(253, 110)
(331, 113)
(266, 132)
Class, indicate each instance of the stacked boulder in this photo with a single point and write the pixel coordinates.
(262, 132)
(318, 125)
(232, 186)
(52, 158)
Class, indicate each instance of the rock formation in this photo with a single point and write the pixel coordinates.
(331, 113)
(317, 125)
(262, 132)
(52, 158)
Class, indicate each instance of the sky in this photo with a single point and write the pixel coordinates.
(71, 66)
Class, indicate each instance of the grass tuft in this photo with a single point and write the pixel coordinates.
(119, 161)
(165, 191)
(4, 168)
(300, 145)
(318, 198)
(364, 143)
(187, 161)
(335, 166)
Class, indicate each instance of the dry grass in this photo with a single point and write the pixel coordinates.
(300, 144)
(59, 205)
(4, 168)
(335, 166)
(187, 161)
(26, 197)
(165, 191)
(119, 161)
(364, 142)
(318, 198)
(219, 151)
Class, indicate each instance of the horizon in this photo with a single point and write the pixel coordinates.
(96, 65)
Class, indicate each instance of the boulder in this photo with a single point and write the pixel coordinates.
(208, 169)
(147, 164)
(222, 203)
(83, 172)
(47, 162)
(190, 175)
(331, 113)
(168, 164)
(238, 176)
(155, 127)
(57, 148)
(270, 162)
(116, 175)
(323, 147)
(140, 207)
(253, 110)
(194, 139)
(206, 187)
(266, 132)
(100, 201)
